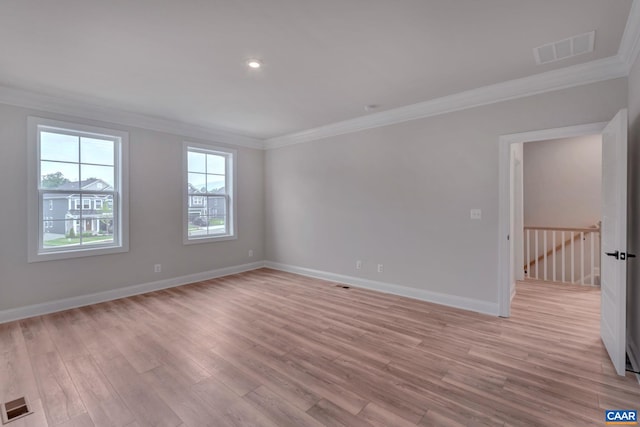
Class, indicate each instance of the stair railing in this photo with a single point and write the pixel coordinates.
(563, 254)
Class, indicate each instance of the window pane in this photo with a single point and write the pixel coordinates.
(60, 234)
(97, 151)
(57, 146)
(216, 184)
(196, 162)
(216, 164)
(217, 212)
(198, 225)
(97, 178)
(59, 175)
(197, 182)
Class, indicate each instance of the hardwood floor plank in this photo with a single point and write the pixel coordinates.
(59, 395)
(278, 410)
(16, 371)
(380, 417)
(268, 348)
(183, 401)
(143, 402)
(330, 414)
(104, 405)
(83, 420)
(227, 408)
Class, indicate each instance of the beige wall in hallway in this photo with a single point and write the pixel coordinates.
(563, 182)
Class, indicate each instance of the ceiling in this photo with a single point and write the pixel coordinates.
(324, 60)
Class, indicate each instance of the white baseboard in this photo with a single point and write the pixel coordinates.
(485, 307)
(633, 351)
(80, 301)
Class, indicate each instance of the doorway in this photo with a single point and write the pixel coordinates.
(509, 257)
(614, 193)
(557, 188)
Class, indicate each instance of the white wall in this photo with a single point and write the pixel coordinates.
(400, 195)
(633, 244)
(155, 220)
(563, 182)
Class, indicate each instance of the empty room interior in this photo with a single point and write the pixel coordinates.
(319, 213)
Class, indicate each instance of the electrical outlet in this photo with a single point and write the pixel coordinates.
(358, 265)
(476, 214)
(380, 268)
(157, 268)
(250, 253)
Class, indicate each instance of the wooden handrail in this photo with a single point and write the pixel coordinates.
(592, 229)
(574, 229)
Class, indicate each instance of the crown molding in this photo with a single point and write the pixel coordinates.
(590, 72)
(630, 43)
(65, 106)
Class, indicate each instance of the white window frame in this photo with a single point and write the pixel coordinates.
(95, 204)
(231, 156)
(35, 232)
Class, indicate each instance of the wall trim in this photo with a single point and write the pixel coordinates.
(93, 111)
(633, 351)
(83, 300)
(590, 72)
(479, 306)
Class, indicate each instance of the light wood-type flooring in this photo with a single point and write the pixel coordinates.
(267, 348)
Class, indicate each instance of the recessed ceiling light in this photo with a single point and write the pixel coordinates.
(254, 63)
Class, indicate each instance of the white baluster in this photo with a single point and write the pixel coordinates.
(529, 254)
(593, 257)
(544, 253)
(553, 253)
(573, 261)
(564, 276)
(582, 258)
(536, 251)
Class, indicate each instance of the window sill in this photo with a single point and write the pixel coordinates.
(77, 253)
(208, 239)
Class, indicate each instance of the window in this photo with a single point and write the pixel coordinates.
(209, 197)
(70, 166)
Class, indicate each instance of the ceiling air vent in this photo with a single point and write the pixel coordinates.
(563, 49)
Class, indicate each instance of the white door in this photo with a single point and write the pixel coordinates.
(614, 240)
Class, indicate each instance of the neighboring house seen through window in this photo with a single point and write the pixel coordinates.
(79, 173)
(209, 197)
